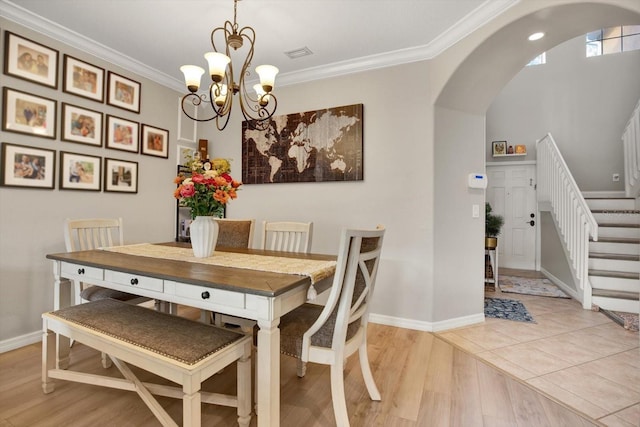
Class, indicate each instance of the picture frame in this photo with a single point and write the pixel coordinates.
(80, 172)
(499, 148)
(83, 79)
(81, 125)
(30, 60)
(120, 176)
(521, 149)
(123, 92)
(154, 141)
(122, 134)
(29, 114)
(27, 167)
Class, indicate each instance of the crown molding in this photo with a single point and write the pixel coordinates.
(472, 21)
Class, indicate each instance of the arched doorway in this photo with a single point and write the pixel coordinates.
(482, 64)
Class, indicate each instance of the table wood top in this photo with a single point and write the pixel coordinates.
(212, 276)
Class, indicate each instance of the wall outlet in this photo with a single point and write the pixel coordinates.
(616, 177)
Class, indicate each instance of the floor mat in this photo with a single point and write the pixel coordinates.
(507, 309)
(524, 285)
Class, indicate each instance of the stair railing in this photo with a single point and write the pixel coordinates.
(631, 143)
(558, 190)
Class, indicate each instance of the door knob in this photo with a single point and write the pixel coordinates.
(532, 223)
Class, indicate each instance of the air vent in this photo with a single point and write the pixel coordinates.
(299, 53)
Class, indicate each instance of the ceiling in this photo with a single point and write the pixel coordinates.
(156, 37)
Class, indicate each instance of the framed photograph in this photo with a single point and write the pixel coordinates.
(521, 149)
(27, 167)
(83, 79)
(120, 176)
(79, 172)
(28, 60)
(123, 92)
(81, 125)
(30, 114)
(155, 141)
(122, 134)
(499, 148)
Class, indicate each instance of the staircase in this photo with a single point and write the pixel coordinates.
(614, 259)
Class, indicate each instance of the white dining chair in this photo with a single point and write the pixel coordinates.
(286, 236)
(330, 334)
(94, 233)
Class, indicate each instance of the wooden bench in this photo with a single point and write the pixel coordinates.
(175, 348)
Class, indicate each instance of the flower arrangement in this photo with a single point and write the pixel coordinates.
(208, 189)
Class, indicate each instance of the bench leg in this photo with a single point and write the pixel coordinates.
(191, 409)
(49, 355)
(244, 387)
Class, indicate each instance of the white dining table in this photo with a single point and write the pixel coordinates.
(249, 283)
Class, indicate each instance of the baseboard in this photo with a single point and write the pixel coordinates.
(604, 194)
(426, 326)
(21, 341)
(563, 286)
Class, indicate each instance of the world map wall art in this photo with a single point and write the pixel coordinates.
(314, 146)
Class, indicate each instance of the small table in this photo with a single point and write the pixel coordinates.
(261, 295)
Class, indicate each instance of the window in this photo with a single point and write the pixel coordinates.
(613, 40)
(539, 60)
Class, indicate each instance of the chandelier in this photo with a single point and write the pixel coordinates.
(256, 108)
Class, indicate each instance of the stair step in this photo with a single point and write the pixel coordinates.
(609, 203)
(615, 211)
(607, 293)
(622, 257)
(618, 225)
(632, 240)
(615, 274)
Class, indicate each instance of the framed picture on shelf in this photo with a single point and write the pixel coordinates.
(155, 141)
(80, 172)
(29, 114)
(29, 60)
(123, 92)
(122, 134)
(120, 176)
(499, 148)
(81, 125)
(83, 79)
(521, 149)
(27, 167)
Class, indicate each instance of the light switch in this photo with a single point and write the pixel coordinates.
(475, 212)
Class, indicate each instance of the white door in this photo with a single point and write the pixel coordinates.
(511, 193)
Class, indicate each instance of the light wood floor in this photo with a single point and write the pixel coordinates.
(425, 379)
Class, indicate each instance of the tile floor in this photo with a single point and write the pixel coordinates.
(579, 357)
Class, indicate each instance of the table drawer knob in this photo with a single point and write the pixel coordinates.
(205, 295)
(134, 281)
(81, 271)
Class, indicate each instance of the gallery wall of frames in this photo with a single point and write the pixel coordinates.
(84, 121)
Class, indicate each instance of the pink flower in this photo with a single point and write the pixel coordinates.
(188, 190)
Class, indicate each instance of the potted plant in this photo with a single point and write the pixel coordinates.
(492, 227)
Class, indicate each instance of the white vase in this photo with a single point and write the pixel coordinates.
(204, 235)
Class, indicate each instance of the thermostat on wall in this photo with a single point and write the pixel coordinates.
(477, 180)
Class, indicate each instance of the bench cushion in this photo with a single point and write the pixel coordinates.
(174, 337)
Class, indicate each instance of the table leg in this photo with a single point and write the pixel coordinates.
(268, 376)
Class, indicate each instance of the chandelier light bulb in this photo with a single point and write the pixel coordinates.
(220, 95)
(267, 75)
(217, 65)
(192, 75)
